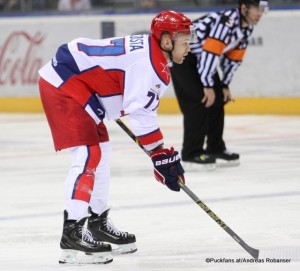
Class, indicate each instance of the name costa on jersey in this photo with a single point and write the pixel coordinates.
(136, 42)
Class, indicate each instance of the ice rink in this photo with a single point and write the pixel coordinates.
(259, 200)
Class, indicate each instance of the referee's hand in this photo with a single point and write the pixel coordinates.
(209, 97)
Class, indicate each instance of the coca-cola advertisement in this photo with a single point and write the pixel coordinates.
(21, 56)
(20, 59)
(26, 44)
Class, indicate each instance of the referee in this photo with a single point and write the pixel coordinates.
(201, 91)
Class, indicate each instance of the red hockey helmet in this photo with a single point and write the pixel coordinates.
(171, 22)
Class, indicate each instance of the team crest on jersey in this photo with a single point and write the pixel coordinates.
(165, 70)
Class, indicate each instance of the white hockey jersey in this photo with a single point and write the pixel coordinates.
(112, 78)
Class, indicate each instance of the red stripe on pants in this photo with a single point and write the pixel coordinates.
(85, 181)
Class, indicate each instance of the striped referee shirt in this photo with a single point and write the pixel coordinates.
(221, 41)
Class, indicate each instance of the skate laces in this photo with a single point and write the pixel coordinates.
(112, 229)
(86, 235)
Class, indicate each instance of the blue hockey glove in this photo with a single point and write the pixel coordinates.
(167, 167)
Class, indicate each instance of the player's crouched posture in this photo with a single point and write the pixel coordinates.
(87, 81)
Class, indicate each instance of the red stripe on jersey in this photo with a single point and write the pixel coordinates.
(96, 80)
(151, 137)
(85, 181)
(159, 62)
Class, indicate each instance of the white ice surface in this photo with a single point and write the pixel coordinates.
(259, 200)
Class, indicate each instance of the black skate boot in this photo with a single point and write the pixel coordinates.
(76, 238)
(228, 158)
(202, 160)
(104, 231)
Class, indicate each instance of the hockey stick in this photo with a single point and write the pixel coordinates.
(252, 251)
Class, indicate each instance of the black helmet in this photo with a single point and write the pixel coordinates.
(262, 3)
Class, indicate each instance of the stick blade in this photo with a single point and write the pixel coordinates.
(253, 252)
(292, 253)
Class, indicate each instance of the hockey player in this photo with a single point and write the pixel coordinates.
(222, 41)
(87, 81)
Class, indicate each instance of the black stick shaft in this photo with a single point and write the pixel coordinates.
(252, 251)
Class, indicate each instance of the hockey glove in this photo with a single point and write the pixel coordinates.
(167, 167)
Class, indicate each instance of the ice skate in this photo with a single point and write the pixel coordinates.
(104, 231)
(226, 159)
(79, 246)
(199, 162)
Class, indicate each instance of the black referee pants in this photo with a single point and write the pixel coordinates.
(199, 122)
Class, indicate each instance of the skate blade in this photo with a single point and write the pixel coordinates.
(77, 257)
(221, 163)
(124, 249)
(194, 167)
